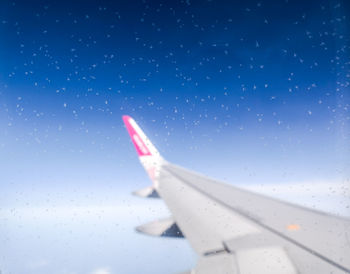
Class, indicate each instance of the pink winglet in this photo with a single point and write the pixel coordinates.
(139, 144)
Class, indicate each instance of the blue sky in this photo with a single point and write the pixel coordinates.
(252, 92)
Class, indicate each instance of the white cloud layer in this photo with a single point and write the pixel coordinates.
(102, 270)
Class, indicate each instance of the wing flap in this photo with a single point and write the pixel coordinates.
(221, 263)
(270, 259)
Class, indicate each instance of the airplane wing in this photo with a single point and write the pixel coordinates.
(237, 231)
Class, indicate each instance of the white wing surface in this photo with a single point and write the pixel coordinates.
(237, 231)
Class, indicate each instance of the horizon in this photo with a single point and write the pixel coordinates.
(252, 93)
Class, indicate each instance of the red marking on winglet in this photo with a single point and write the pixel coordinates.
(140, 146)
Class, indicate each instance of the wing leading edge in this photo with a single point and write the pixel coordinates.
(237, 231)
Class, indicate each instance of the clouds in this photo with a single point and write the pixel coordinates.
(102, 270)
(41, 264)
(38, 264)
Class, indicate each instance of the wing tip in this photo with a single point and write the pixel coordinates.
(137, 136)
(126, 118)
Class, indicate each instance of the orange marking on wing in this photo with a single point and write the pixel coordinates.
(293, 227)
